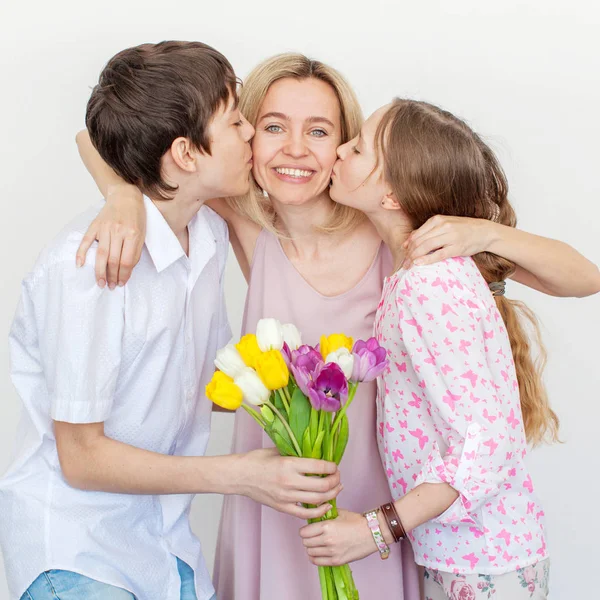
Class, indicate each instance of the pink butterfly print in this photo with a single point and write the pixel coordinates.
(470, 455)
(504, 375)
(450, 561)
(450, 399)
(488, 335)
(422, 384)
(401, 368)
(403, 484)
(416, 401)
(439, 282)
(463, 346)
(446, 340)
(431, 359)
(472, 304)
(446, 369)
(512, 472)
(501, 508)
(528, 536)
(421, 298)
(451, 327)
(528, 484)
(414, 323)
(476, 532)
(473, 560)
(423, 439)
(454, 528)
(389, 427)
(472, 377)
(492, 445)
(403, 424)
(407, 289)
(512, 420)
(396, 454)
(504, 535)
(506, 556)
(446, 308)
(539, 515)
(474, 399)
(381, 429)
(487, 416)
(530, 507)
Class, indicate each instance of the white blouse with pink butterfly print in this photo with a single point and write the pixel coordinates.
(449, 411)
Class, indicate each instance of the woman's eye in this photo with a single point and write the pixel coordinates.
(318, 133)
(239, 123)
(273, 128)
(355, 150)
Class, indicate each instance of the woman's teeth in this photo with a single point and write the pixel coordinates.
(294, 172)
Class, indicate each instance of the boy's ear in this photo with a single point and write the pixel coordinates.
(389, 202)
(184, 154)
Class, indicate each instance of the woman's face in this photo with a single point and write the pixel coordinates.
(297, 133)
(356, 179)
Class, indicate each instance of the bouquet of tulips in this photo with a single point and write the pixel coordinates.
(299, 395)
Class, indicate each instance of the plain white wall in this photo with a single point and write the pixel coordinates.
(525, 74)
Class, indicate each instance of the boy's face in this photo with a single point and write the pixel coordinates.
(226, 171)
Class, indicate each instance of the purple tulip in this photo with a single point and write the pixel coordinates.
(369, 360)
(306, 357)
(328, 389)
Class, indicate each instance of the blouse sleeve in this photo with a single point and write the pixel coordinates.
(444, 327)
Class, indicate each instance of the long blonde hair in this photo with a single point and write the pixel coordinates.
(254, 205)
(437, 165)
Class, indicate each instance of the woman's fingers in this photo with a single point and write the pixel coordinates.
(102, 256)
(114, 260)
(306, 513)
(130, 256)
(88, 239)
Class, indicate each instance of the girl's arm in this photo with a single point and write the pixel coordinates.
(546, 265)
(120, 227)
(348, 538)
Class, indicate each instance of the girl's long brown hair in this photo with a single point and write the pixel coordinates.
(437, 165)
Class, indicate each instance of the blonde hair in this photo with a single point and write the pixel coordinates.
(254, 205)
(437, 165)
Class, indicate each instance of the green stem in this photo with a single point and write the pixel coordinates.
(287, 395)
(323, 582)
(341, 413)
(286, 404)
(286, 425)
(255, 415)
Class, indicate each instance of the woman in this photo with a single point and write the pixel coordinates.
(320, 266)
(462, 396)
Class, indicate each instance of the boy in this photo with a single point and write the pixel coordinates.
(115, 423)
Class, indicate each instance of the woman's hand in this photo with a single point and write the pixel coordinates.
(120, 229)
(338, 541)
(444, 237)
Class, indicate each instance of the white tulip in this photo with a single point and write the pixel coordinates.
(344, 358)
(269, 335)
(252, 387)
(230, 361)
(291, 336)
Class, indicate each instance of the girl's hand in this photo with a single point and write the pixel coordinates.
(120, 229)
(444, 237)
(338, 541)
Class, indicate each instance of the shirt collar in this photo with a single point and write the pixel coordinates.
(165, 248)
(161, 241)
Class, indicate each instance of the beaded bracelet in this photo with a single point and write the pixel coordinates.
(373, 522)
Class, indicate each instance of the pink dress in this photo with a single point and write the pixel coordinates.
(260, 555)
(449, 411)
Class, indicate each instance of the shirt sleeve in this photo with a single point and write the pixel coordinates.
(80, 330)
(443, 327)
(225, 333)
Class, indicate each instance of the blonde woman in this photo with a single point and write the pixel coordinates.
(322, 267)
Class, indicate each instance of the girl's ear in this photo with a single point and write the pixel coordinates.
(389, 202)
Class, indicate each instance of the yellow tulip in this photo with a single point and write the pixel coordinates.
(248, 348)
(334, 342)
(273, 371)
(223, 392)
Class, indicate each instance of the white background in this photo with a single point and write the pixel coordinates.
(525, 74)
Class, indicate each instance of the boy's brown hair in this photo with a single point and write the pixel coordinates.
(149, 95)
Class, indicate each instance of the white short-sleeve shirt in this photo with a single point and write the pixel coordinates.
(138, 359)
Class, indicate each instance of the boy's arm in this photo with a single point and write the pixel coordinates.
(92, 461)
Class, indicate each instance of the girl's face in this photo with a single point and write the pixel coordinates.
(297, 133)
(357, 180)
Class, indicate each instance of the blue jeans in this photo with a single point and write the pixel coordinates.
(66, 585)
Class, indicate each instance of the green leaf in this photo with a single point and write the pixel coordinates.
(278, 402)
(306, 445)
(316, 451)
(285, 448)
(299, 414)
(314, 425)
(342, 440)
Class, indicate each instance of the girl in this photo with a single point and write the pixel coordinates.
(462, 396)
